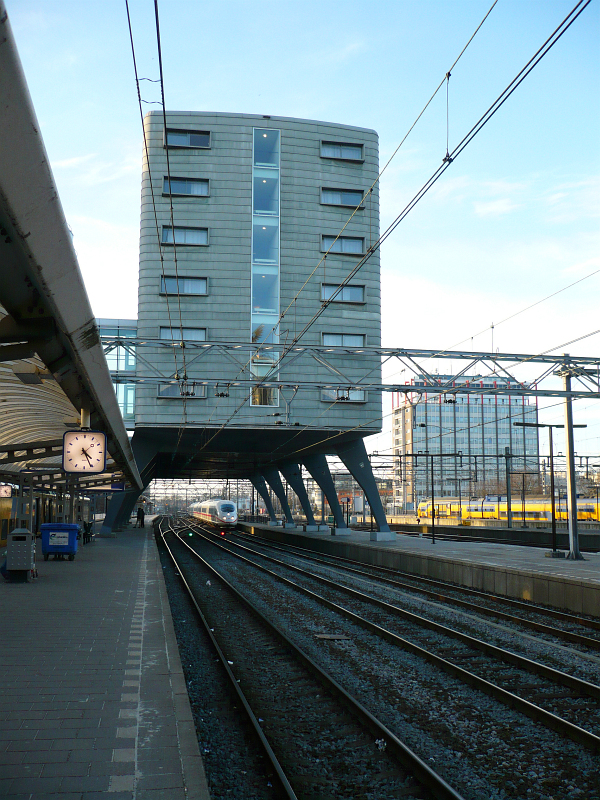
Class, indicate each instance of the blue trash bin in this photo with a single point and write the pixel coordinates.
(59, 538)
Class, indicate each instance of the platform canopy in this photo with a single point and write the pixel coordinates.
(51, 361)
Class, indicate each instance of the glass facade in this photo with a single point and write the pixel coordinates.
(473, 432)
(121, 362)
(265, 255)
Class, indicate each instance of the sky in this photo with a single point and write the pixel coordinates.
(514, 219)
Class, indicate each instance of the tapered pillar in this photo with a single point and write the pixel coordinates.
(319, 469)
(121, 504)
(273, 478)
(355, 459)
(119, 510)
(261, 487)
(293, 475)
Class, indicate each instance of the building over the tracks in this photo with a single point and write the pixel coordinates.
(472, 430)
(244, 239)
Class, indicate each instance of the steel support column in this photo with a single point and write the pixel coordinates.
(261, 487)
(355, 459)
(574, 553)
(293, 475)
(273, 478)
(319, 469)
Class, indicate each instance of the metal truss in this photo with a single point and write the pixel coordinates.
(352, 368)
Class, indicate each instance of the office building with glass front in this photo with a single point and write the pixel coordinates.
(458, 441)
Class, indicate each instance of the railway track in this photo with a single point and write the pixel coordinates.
(318, 739)
(557, 697)
(450, 593)
(459, 723)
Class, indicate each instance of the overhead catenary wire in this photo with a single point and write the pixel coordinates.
(483, 120)
(147, 159)
(172, 218)
(323, 259)
(465, 141)
(155, 212)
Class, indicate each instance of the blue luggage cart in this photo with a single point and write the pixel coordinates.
(60, 539)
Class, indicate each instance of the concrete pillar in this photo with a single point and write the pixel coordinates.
(319, 469)
(129, 500)
(121, 504)
(113, 513)
(355, 459)
(261, 487)
(271, 475)
(293, 475)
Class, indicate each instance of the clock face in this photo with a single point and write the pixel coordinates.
(84, 451)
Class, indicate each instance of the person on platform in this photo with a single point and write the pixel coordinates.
(140, 517)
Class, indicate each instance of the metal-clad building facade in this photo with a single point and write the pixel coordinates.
(249, 227)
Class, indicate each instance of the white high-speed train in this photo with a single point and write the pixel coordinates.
(221, 513)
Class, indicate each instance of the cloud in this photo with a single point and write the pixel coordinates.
(91, 170)
(342, 54)
(572, 201)
(494, 208)
(66, 163)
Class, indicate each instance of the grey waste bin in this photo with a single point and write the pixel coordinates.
(20, 554)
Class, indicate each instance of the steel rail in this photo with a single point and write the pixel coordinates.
(546, 718)
(525, 606)
(535, 667)
(419, 769)
(540, 627)
(285, 784)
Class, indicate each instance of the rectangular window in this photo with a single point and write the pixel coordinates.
(344, 395)
(193, 236)
(349, 294)
(126, 398)
(189, 334)
(265, 240)
(172, 391)
(194, 187)
(344, 339)
(169, 285)
(348, 245)
(342, 197)
(264, 396)
(266, 147)
(265, 195)
(177, 138)
(342, 150)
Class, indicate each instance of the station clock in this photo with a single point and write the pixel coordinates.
(84, 451)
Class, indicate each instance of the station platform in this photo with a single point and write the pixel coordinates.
(93, 698)
(508, 570)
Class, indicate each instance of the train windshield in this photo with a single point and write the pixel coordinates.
(227, 508)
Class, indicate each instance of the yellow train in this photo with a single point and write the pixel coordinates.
(537, 509)
(47, 507)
